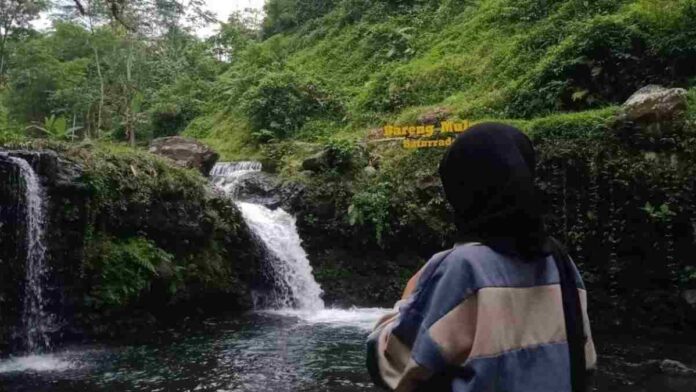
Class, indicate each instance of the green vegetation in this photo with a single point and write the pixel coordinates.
(475, 59)
(315, 70)
(124, 269)
(318, 79)
(137, 233)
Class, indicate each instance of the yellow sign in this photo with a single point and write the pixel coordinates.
(414, 133)
(408, 143)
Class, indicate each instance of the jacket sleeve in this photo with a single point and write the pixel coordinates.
(405, 348)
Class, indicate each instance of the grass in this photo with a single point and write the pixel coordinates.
(541, 64)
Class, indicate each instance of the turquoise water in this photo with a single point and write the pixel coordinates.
(256, 352)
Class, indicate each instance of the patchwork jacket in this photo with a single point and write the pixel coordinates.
(478, 321)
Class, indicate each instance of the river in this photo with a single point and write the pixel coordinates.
(259, 351)
(276, 351)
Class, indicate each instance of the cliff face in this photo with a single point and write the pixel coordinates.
(130, 241)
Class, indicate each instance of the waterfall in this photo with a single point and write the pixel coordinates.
(276, 229)
(35, 321)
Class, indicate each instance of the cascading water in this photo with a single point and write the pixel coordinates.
(291, 272)
(35, 320)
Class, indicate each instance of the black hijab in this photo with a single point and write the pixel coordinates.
(488, 177)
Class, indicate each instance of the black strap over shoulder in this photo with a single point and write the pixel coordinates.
(572, 312)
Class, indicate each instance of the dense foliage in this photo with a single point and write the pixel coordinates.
(624, 208)
(141, 71)
(152, 223)
(395, 61)
(320, 77)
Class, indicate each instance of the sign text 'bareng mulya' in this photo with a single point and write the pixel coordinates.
(421, 136)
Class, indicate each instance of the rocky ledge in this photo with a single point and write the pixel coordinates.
(131, 241)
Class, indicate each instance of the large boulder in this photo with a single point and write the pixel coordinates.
(186, 152)
(317, 162)
(266, 189)
(655, 103)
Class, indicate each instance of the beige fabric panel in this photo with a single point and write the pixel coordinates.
(394, 357)
(399, 371)
(501, 319)
(413, 376)
(455, 332)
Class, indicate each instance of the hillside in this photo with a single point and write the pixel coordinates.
(336, 71)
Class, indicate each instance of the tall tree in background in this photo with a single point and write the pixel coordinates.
(16, 14)
(158, 24)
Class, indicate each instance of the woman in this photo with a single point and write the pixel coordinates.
(505, 308)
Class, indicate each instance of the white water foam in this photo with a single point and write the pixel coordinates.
(288, 261)
(35, 363)
(362, 318)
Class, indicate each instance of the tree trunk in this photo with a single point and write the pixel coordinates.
(99, 70)
(130, 126)
(101, 91)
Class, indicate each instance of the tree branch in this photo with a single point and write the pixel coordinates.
(80, 7)
(115, 7)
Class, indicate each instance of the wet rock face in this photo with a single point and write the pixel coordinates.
(185, 152)
(267, 190)
(655, 103)
(11, 234)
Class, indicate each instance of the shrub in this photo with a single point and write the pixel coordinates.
(343, 154)
(122, 269)
(284, 15)
(371, 207)
(282, 103)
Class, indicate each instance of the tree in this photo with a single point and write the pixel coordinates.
(16, 14)
(150, 17)
(285, 15)
(241, 28)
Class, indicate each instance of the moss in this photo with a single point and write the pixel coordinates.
(691, 99)
(591, 124)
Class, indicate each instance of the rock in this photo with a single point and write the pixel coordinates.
(265, 189)
(668, 367)
(317, 162)
(675, 368)
(654, 103)
(375, 134)
(690, 297)
(185, 152)
(434, 116)
(369, 171)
